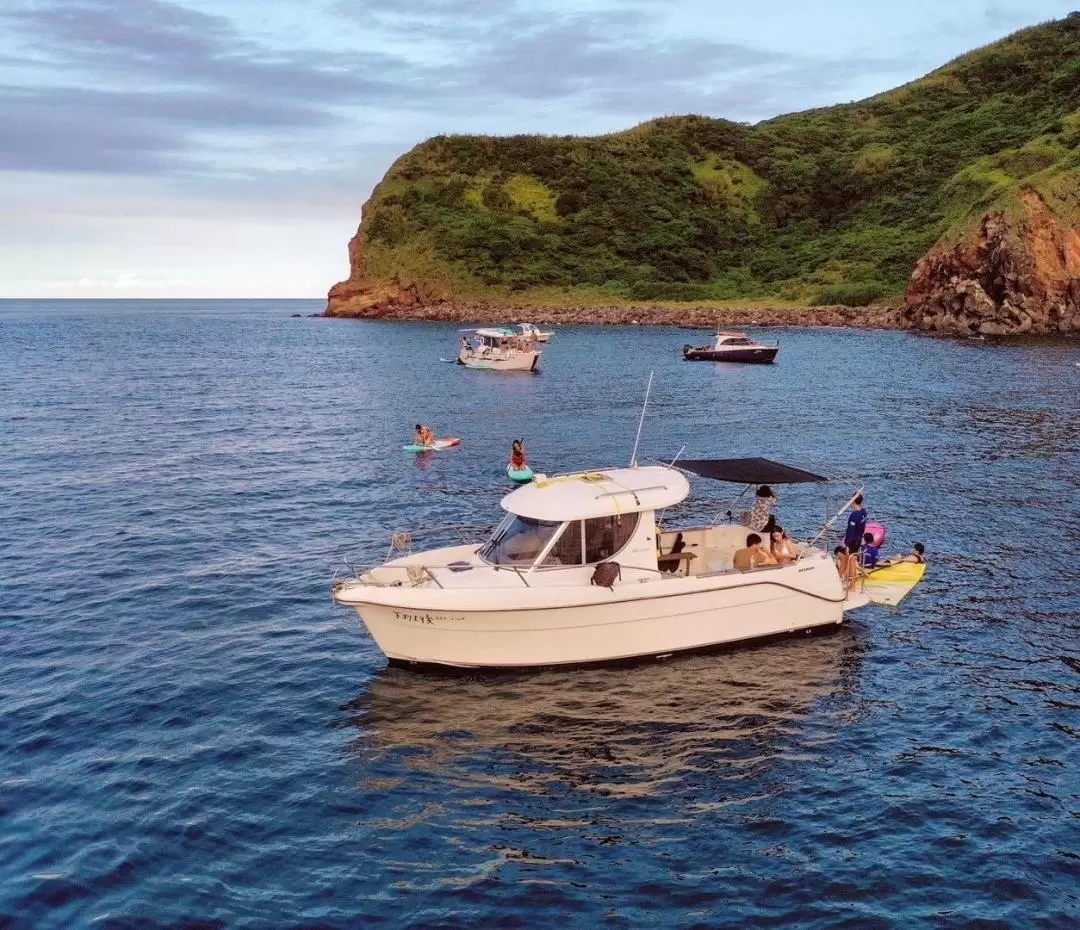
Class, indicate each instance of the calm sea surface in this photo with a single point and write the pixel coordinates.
(191, 733)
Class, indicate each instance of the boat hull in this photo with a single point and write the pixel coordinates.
(748, 356)
(619, 625)
(518, 361)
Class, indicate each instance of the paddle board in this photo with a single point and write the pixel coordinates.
(892, 583)
(520, 475)
(444, 443)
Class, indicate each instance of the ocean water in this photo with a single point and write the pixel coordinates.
(192, 734)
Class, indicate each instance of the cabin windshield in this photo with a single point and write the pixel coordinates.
(518, 541)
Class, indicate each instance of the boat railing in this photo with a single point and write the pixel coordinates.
(413, 574)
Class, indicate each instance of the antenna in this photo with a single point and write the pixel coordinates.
(637, 439)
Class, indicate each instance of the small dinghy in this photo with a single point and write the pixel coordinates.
(444, 443)
(519, 475)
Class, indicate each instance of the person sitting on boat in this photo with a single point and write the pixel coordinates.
(761, 517)
(916, 556)
(869, 553)
(847, 566)
(856, 526)
(424, 435)
(519, 459)
(781, 547)
(753, 556)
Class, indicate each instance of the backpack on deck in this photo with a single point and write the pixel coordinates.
(606, 574)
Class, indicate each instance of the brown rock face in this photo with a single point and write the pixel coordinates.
(357, 297)
(1018, 274)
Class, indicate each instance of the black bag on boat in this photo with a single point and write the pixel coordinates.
(606, 574)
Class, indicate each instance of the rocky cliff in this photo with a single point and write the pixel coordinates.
(1017, 272)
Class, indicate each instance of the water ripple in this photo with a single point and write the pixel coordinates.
(193, 735)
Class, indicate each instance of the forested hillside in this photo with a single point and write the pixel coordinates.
(833, 205)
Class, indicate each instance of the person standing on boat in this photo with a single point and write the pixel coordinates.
(762, 518)
(856, 526)
(519, 459)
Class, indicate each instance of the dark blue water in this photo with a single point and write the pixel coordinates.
(191, 733)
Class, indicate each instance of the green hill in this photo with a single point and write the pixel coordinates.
(833, 205)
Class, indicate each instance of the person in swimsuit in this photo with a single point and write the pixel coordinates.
(519, 459)
(424, 435)
(780, 546)
(753, 556)
(917, 556)
(847, 566)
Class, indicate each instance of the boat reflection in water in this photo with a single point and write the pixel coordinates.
(626, 732)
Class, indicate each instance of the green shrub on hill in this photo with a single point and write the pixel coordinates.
(833, 205)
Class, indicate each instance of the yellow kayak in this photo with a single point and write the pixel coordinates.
(892, 583)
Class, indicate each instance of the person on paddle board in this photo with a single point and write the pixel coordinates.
(519, 459)
(424, 435)
(916, 556)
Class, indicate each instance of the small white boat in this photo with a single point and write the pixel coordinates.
(529, 331)
(499, 350)
(530, 595)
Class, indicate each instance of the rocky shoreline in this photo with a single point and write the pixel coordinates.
(694, 317)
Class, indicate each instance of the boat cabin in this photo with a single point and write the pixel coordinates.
(617, 514)
(490, 340)
(733, 339)
(585, 518)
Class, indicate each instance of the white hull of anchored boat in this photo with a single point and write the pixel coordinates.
(516, 361)
(511, 626)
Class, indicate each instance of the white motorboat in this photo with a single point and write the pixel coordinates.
(499, 350)
(527, 596)
(534, 333)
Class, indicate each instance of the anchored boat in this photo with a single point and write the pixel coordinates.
(534, 333)
(732, 347)
(499, 350)
(581, 570)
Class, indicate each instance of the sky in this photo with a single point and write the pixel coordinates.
(223, 148)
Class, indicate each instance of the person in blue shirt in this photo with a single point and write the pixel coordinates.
(868, 555)
(856, 526)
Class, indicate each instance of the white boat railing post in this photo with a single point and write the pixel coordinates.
(641, 422)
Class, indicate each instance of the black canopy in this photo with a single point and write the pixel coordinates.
(748, 471)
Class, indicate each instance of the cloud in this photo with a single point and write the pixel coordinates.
(124, 281)
(71, 106)
(156, 87)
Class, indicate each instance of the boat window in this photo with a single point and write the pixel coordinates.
(567, 550)
(518, 541)
(605, 536)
